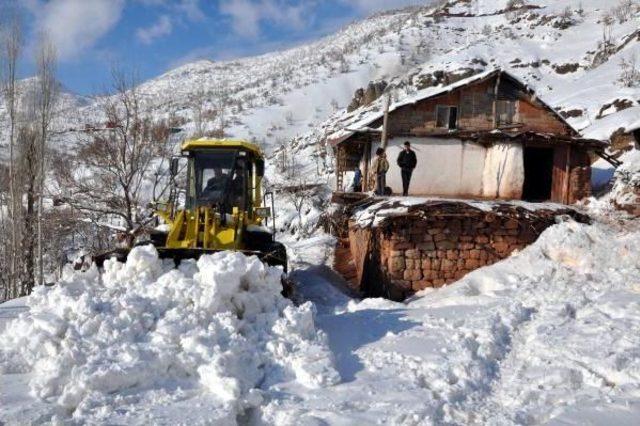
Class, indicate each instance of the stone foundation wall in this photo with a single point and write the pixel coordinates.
(416, 254)
(409, 253)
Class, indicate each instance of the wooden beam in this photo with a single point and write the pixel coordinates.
(365, 174)
(567, 175)
(496, 90)
(385, 122)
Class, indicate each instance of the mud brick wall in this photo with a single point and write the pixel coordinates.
(580, 176)
(580, 183)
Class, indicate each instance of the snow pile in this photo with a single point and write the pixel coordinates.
(143, 334)
(556, 330)
(626, 189)
(625, 186)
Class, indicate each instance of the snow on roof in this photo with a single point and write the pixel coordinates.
(628, 120)
(367, 118)
(379, 211)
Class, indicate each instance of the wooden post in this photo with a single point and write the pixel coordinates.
(495, 101)
(385, 122)
(567, 174)
(367, 158)
(340, 168)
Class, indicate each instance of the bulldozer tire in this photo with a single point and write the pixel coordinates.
(158, 238)
(275, 254)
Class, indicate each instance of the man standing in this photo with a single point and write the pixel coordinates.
(357, 180)
(407, 161)
(379, 169)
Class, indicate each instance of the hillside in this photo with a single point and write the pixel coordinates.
(555, 46)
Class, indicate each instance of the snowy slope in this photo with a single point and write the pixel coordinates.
(557, 62)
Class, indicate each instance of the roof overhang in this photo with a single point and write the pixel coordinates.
(550, 138)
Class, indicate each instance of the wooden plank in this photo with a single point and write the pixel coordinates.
(365, 174)
(558, 183)
(567, 177)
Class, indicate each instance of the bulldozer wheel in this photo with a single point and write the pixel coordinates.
(275, 254)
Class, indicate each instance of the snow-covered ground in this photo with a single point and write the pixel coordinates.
(551, 334)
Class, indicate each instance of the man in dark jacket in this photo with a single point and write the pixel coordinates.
(407, 161)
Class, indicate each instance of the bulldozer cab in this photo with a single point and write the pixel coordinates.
(224, 179)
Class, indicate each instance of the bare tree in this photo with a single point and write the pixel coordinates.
(623, 10)
(221, 102)
(629, 72)
(566, 17)
(607, 28)
(34, 102)
(197, 101)
(109, 174)
(5, 255)
(10, 53)
(29, 160)
(46, 99)
(606, 46)
(300, 195)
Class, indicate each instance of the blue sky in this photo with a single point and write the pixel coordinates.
(153, 36)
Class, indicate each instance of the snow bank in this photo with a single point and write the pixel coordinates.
(626, 189)
(559, 329)
(219, 329)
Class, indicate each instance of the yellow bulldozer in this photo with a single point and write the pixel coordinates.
(224, 205)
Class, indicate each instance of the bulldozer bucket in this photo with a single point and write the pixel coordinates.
(275, 257)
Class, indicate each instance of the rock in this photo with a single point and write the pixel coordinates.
(363, 97)
(413, 254)
(397, 264)
(426, 246)
(446, 245)
(566, 68)
(413, 275)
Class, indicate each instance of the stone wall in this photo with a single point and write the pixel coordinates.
(427, 248)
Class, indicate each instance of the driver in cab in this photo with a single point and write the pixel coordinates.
(215, 186)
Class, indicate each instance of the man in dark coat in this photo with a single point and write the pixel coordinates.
(407, 161)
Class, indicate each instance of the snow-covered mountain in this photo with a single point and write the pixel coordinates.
(562, 48)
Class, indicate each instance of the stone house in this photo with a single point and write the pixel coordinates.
(487, 136)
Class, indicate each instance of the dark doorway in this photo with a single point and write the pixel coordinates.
(538, 174)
